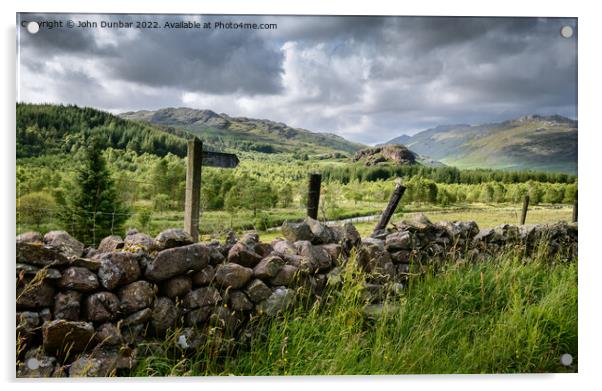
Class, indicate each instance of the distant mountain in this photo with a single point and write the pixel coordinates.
(546, 143)
(246, 133)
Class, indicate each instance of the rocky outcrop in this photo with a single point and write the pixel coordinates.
(79, 316)
(394, 153)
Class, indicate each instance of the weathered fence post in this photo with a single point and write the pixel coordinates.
(193, 188)
(313, 195)
(575, 209)
(523, 216)
(390, 209)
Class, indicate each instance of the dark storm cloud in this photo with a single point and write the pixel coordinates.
(366, 78)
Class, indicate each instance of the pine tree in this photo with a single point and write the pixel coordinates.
(92, 209)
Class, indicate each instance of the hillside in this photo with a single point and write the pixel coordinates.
(396, 154)
(52, 129)
(245, 133)
(547, 143)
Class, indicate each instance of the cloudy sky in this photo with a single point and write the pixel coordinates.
(368, 79)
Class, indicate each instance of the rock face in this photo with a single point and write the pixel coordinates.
(393, 153)
(79, 316)
(174, 261)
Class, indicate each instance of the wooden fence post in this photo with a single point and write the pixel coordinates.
(523, 216)
(313, 195)
(575, 209)
(193, 188)
(390, 209)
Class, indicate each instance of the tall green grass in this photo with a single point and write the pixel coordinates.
(507, 315)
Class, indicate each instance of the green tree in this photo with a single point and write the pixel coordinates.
(35, 209)
(92, 208)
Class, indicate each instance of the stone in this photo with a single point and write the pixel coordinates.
(350, 237)
(32, 294)
(243, 255)
(216, 254)
(227, 320)
(204, 277)
(66, 338)
(30, 237)
(118, 268)
(284, 247)
(238, 301)
(164, 315)
(46, 273)
(268, 267)
(232, 275)
(286, 276)
(401, 256)
(28, 323)
(257, 291)
(65, 243)
(335, 252)
(178, 260)
(250, 238)
(102, 307)
(37, 365)
(398, 241)
(316, 254)
(263, 249)
(197, 316)
(190, 338)
(92, 264)
(304, 264)
(322, 234)
(334, 277)
(202, 297)
(278, 301)
(377, 311)
(293, 232)
(110, 244)
(79, 279)
(102, 363)
(136, 296)
(173, 237)
(67, 305)
(177, 286)
(45, 315)
(138, 317)
(138, 242)
(40, 255)
(108, 334)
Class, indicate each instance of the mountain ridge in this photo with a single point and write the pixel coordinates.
(538, 142)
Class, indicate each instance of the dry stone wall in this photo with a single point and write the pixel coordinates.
(82, 311)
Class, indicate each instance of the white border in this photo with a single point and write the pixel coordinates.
(590, 117)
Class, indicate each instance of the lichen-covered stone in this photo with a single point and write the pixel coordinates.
(243, 255)
(204, 277)
(40, 254)
(257, 291)
(232, 275)
(279, 300)
(79, 279)
(286, 276)
(32, 294)
(67, 305)
(136, 296)
(65, 243)
(293, 232)
(268, 267)
(238, 301)
(66, 338)
(110, 244)
(102, 307)
(164, 315)
(177, 286)
(174, 261)
(202, 297)
(172, 237)
(118, 268)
